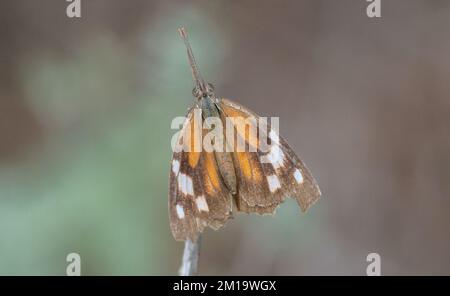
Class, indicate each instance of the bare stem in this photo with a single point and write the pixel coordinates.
(189, 265)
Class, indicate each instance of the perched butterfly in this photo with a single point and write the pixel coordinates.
(205, 186)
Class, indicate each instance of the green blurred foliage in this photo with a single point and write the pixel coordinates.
(98, 185)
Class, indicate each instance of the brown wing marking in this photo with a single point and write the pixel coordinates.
(285, 174)
(197, 195)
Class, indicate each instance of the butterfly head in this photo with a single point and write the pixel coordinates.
(201, 91)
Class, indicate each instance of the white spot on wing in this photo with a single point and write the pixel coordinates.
(276, 156)
(274, 183)
(180, 211)
(182, 182)
(274, 137)
(201, 203)
(185, 184)
(298, 176)
(190, 186)
(175, 166)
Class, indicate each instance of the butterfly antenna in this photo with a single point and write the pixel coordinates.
(198, 79)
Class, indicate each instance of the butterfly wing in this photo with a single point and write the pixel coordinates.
(265, 178)
(197, 194)
(253, 192)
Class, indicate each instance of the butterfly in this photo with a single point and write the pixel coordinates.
(206, 186)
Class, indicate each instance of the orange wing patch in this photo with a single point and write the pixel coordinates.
(193, 158)
(211, 175)
(244, 164)
(246, 126)
(249, 168)
(191, 136)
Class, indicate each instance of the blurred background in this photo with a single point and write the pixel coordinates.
(85, 112)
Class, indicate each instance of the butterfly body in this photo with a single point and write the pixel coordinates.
(206, 185)
(224, 160)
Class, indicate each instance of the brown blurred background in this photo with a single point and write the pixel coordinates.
(85, 112)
